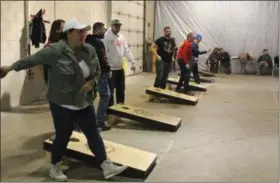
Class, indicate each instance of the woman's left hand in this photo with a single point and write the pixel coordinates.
(88, 86)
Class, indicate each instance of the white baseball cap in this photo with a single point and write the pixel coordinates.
(74, 24)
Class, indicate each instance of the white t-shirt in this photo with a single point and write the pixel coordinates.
(86, 73)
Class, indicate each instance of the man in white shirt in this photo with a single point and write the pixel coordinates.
(116, 50)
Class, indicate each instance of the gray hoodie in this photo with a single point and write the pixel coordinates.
(116, 49)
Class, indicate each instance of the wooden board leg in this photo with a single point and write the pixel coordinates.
(151, 98)
(169, 86)
(111, 119)
(47, 158)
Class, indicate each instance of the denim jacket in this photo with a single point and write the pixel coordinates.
(65, 75)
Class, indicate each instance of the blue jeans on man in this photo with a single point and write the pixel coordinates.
(104, 94)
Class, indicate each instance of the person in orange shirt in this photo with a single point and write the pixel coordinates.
(184, 56)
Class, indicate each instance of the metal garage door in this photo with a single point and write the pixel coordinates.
(131, 14)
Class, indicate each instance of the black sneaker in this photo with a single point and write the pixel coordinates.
(104, 127)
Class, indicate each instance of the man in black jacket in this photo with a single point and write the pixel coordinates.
(195, 55)
(103, 85)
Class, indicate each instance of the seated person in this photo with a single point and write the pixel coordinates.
(264, 62)
(244, 58)
(224, 59)
(213, 60)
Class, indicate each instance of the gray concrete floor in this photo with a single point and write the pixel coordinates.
(231, 135)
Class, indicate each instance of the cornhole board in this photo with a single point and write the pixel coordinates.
(206, 74)
(140, 163)
(156, 120)
(178, 97)
(202, 79)
(193, 86)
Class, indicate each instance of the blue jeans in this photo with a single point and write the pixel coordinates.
(64, 119)
(162, 72)
(104, 93)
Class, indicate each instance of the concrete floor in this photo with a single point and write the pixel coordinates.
(231, 135)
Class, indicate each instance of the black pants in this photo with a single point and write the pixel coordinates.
(117, 81)
(195, 73)
(162, 72)
(184, 76)
(63, 119)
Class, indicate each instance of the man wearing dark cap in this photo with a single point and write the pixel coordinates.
(103, 83)
(264, 61)
(116, 50)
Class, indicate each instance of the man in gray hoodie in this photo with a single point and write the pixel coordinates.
(116, 49)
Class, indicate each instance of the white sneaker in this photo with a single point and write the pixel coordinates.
(110, 169)
(57, 174)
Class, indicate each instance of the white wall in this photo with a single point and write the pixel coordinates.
(16, 89)
(12, 23)
(131, 14)
(237, 26)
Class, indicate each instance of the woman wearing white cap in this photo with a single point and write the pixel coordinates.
(73, 73)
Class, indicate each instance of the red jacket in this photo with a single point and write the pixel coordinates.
(185, 51)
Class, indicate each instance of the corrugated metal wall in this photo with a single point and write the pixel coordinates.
(131, 14)
(18, 89)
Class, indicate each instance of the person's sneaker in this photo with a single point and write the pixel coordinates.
(104, 127)
(110, 169)
(57, 174)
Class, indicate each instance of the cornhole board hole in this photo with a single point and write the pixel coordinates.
(206, 74)
(193, 85)
(178, 97)
(202, 79)
(140, 163)
(156, 120)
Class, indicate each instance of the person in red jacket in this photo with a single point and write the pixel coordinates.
(183, 59)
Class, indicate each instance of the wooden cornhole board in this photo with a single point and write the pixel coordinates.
(206, 74)
(182, 98)
(156, 120)
(202, 79)
(192, 85)
(140, 162)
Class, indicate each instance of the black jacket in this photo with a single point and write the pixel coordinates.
(195, 50)
(37, 30)
(224, 57)
(99, 46)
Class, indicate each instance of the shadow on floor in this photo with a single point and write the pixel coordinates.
(78, 172)
(28, 110)
(24, 157)
(133, 125)
(36, 142)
